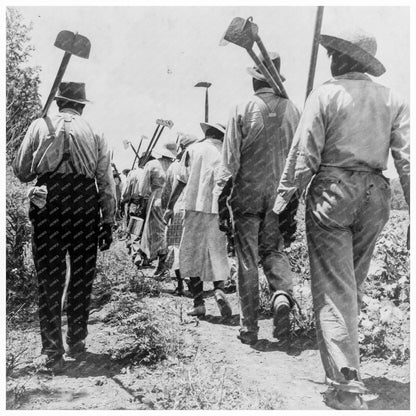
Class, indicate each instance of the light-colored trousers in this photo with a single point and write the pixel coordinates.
(345, 213)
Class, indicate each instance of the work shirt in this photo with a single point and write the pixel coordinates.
(349, 122)
(153, 177)
(257, 141)
(199, 167)
(131, 189)
(43, 147)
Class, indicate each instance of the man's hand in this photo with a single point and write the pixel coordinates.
(106, 237)
(168, 216)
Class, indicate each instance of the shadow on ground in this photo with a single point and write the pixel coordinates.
(389, 394)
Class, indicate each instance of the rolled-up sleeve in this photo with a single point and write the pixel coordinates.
(304, 156)
(105, 182)
(400, 148)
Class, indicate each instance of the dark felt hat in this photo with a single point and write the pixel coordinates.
(72, 91)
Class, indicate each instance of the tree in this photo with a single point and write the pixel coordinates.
(22, 81)
(23, 106)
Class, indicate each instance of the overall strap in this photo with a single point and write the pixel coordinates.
(66, 156)
(272, 117)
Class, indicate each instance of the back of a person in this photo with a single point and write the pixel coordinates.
(351, 102)
(263, 152)
(204, 160)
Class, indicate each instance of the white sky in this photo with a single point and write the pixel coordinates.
(145, 61)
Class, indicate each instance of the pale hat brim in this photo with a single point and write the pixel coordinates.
(60, 97)
(217, 126)
(255, 73)
(163, 151)
(372, 64)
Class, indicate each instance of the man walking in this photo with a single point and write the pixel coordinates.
(203, 248)
(256, 144)
(74, 182)
(348, 126)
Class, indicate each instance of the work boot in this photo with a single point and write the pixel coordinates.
(76, 349)
(281, 317)
(344, 400)
(197, 311)
(162, 271)
(223, 304)
(248, 337)
(48, 364)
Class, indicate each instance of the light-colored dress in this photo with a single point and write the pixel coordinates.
(154, 177)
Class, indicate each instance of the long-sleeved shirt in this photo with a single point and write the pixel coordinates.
(199, 167)
(42, 150)
(257, 141)
(349, 122)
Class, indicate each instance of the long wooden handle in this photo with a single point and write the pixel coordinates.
(206, 105)
(314, 53)
(147, 152)
(265, 72)
(55, 86)
(270, 66)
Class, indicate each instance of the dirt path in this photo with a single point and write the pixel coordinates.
(218, 372)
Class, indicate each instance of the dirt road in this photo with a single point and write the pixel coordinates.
(218, 372)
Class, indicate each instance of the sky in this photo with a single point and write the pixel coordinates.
(145, 61)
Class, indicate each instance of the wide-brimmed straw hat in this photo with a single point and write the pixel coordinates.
(185, 140)
(72, 91)
(255, 71)
(357, 44)
(217, 126)
(166, 148)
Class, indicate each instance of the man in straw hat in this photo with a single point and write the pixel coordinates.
(203, 248)
(256, 144)
(152, 243)
(348, 126)
(72, 165)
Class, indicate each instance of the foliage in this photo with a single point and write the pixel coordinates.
(397, 197)
(140, 337)
(21, 285)
(22, 106)
(22, 81)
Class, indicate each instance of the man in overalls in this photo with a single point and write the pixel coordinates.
(348, 126)
(256, 144)
(72, 166)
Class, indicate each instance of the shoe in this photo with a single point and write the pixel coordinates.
(47, 364)
(179, 291)
(197, 311)
(76, 349)
(344, 400)
(249, 338)
(161, 274)
(223, 304)
(281, 317)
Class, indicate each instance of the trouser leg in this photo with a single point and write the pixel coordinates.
(275, 262)
(197, 290)
(246, 231)
(334, 293)
(49, 259)
(83, 255)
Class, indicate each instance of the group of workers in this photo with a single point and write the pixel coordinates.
(247, 175)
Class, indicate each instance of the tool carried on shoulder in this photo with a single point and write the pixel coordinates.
(72, 44)
(244, 33)
(160, 125)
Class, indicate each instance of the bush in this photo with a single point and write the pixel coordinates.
(20, 273)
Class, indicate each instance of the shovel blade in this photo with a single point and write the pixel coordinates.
(240, 33)
(203, 84)
(74, 44)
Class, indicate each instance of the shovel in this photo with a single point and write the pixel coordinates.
(72, 44)
(243, 33)
(138, 150)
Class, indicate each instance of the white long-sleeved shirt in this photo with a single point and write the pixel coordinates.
(349, 122)
(41, 151)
